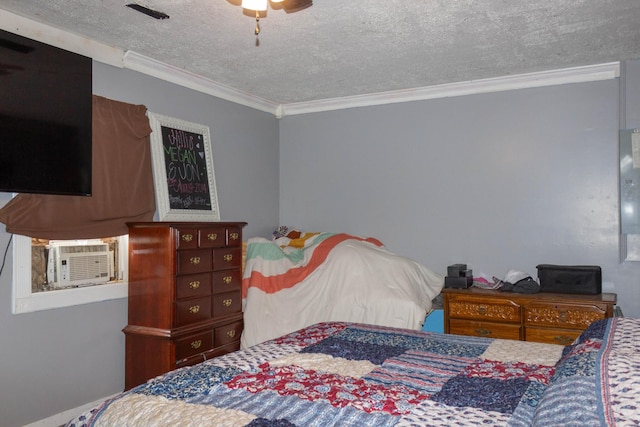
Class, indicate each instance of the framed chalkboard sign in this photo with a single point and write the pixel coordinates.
(183, 170)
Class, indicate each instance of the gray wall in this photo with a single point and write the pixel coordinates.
(498, 181)
(55, 360)
(631, 95)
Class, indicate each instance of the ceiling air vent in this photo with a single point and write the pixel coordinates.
(147, 11)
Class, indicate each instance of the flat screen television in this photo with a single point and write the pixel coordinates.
(45, 118)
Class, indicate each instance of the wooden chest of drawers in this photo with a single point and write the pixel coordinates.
(542, 317)
(184, 295)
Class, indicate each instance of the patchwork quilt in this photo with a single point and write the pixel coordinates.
(349, 374)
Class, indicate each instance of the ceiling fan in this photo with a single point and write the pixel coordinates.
(258, 8)
(255, 8)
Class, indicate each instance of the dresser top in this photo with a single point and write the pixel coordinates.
(186, 224)
(551, 296)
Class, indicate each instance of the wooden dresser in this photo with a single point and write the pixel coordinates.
(542, 317)
(184, 295)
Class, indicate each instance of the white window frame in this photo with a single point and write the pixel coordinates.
(25, 301)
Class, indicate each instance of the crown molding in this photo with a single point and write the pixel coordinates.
(587, 73)
(179, 76)
(143, 64)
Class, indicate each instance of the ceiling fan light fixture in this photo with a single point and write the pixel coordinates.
(260, 9)
(257, 5)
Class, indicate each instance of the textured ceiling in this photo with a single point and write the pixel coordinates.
(340, 48)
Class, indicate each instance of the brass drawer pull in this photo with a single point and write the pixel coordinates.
(212, 236)
(194, 260)
(563, 340)
(231, 333)
(227, 302)
(227, 279)
(196, 344)
(187, 237)
(482, 310)
(194, 309)
(234, 236)
(228, 257)
(483, 332)
(195, 284)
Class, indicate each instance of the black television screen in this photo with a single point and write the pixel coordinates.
(45, 118)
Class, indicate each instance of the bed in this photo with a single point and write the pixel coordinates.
(351, 374)
(302, 278)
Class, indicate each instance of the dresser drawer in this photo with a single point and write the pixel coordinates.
(227, 303)
(551, 335)
(480, 309)
(194, 261)
(187, 238)
(209, 354)
(485, 329)
(193, 310)
(234, 236)
(212, 237)
(227, 258)
(193, 285)
(228, 333)
(567, 316)
(226, 281)
(194, 344)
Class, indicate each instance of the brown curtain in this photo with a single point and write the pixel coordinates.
(122, 183)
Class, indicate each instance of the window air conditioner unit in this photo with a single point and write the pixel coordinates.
(79, 265)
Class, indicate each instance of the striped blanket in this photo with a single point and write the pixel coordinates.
(347, 374)
(317, 277)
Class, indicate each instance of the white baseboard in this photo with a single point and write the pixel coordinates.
(63, 417)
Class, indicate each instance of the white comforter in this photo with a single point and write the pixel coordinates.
(334, 277)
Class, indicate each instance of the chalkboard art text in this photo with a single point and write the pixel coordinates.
(186, 165)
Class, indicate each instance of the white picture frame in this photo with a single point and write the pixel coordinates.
(183, 175)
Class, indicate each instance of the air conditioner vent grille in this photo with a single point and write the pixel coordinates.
(86, 267)
(81, 249)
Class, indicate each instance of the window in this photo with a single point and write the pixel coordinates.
(34, 290)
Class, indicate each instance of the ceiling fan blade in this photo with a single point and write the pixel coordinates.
(291, 6)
